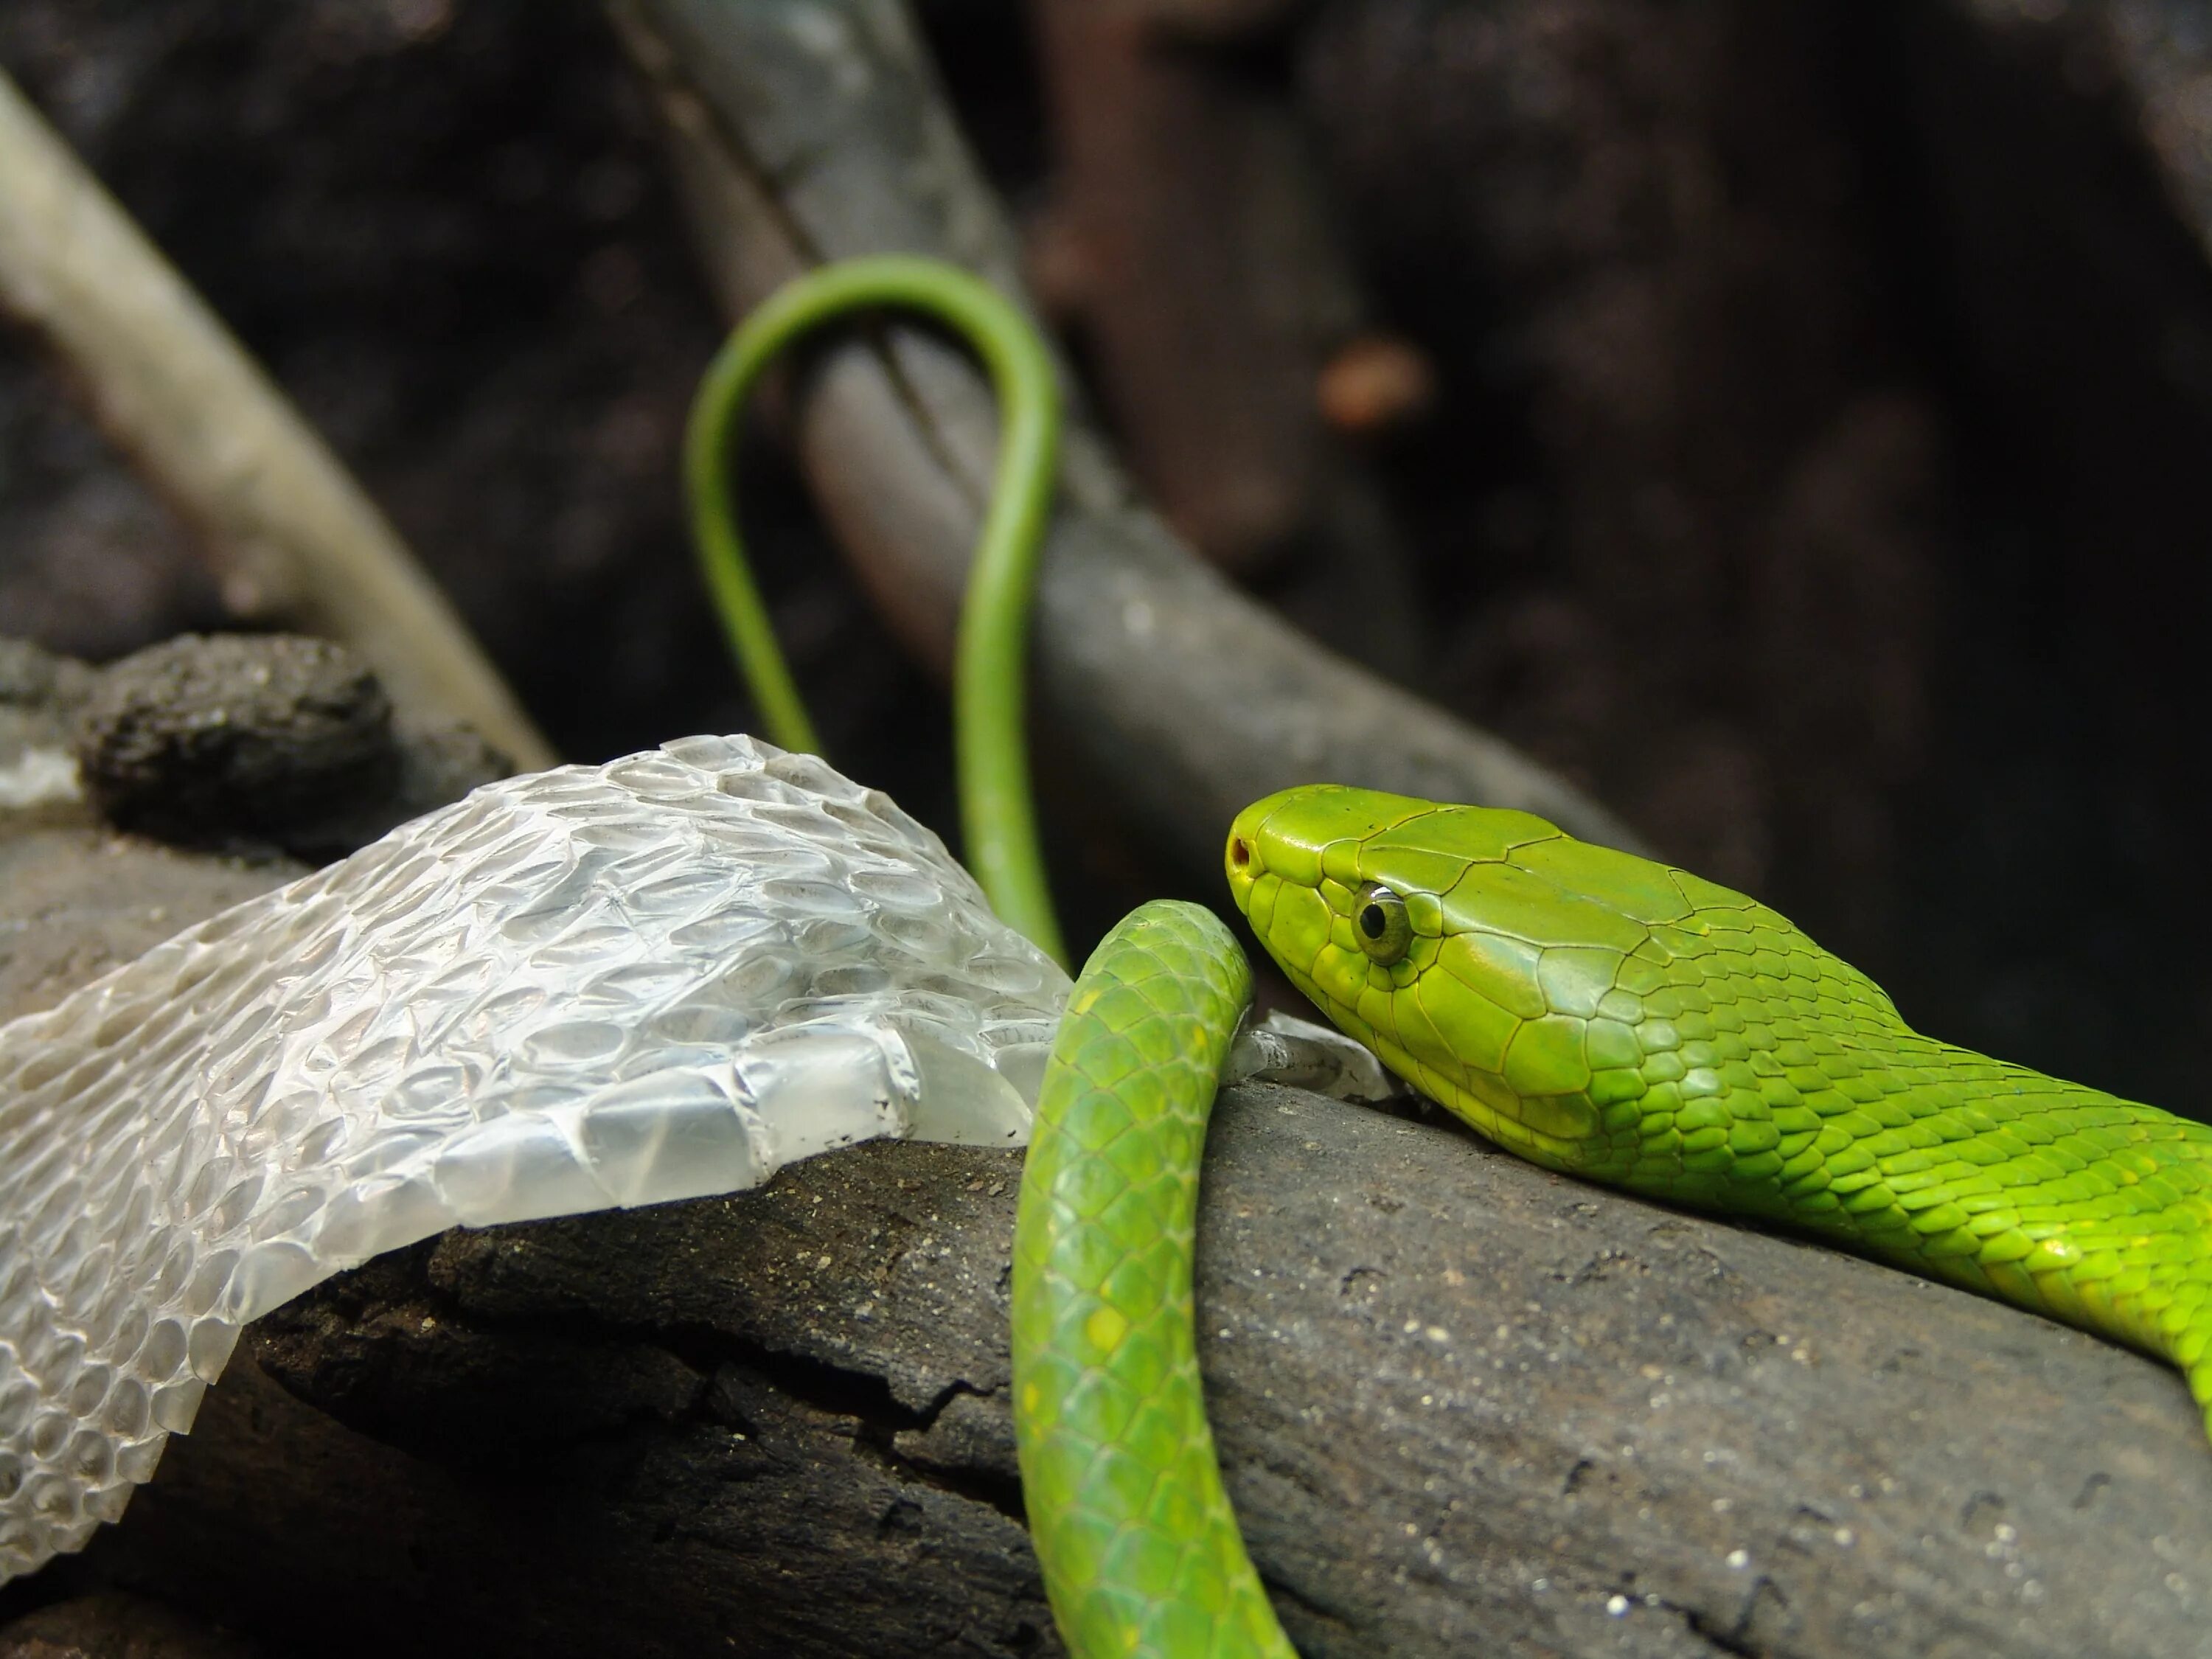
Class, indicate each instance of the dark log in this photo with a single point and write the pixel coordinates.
(806, 131)
(1464, 1407)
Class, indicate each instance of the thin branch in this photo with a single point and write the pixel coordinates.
(292, 537)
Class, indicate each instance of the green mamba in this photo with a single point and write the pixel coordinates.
(1610, 1018)
(1595, 1012)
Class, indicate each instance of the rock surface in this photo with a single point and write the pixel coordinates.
(202, 739)
(116, 1627)
(275, 740)
(38, 690)
(80, 901)
(75, 899)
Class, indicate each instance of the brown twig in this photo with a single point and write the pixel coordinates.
(1207, 275)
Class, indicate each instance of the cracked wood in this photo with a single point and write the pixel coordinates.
(1463, 1405)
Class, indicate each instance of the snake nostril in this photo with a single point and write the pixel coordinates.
(1240, 853)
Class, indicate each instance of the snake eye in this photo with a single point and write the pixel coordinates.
(1384, 929)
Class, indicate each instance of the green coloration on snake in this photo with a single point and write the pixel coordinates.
(1595, 1012)
(1631, 1023)
(1141, 1553)
(991, 655)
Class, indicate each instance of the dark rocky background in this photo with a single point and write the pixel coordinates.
(1816, 403)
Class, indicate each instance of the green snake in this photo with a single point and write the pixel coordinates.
(1595, 1012)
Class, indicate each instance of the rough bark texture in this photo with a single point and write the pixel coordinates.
(1463, 1406)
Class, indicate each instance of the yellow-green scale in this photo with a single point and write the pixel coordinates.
(1615, 1018)
(1140, 1551)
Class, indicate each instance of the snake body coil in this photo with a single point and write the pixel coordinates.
(1141, 1553)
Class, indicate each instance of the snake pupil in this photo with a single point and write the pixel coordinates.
(1379, 924)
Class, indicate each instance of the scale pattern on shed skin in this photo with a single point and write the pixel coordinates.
(1617, 1019)
(1141, 1553)
(655, 978)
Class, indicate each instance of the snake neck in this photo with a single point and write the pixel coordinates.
(2054, 1196)
(1622, 1020)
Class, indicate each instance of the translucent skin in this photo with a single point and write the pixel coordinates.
(1617, 1019)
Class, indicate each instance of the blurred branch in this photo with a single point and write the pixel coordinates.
(1189, 233)
(292, 537)
(1212, 20)
(802, 132)
(1203, 266)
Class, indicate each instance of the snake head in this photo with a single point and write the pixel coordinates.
(1552, 993)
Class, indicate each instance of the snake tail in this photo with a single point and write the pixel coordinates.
(1140, 1547)
(1631, 1023)
(989, 699)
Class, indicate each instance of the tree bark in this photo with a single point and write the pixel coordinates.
(803, 131)
(1463, 1407)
